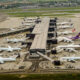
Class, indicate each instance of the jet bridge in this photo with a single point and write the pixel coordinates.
(57, 62)
(48, 58)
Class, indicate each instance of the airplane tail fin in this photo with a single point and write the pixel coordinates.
(73, 30)
(78, 34)
(76, 37)
(9, 47)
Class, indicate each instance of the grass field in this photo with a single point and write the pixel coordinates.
(33, 1)
(56, 8)
(33, 14)
(45, 0)
(40, 9)
(41, 77)
(42, 12)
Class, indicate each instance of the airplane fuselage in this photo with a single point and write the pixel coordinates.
(69, 46)
(69, 58)
(2, 60)
(9, 49)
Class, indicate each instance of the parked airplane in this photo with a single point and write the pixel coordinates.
(64, 39)
(65, 27)
(15, 40)
(66, 32)
(28, 24)
(10, 49)
(69, 48)
(2, 60)
(68, 39)
(63, 23)
(69, 58)
(72, 38)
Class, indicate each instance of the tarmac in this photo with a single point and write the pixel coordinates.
(12, 22)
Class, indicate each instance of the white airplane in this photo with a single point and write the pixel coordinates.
(10, 49)
(69, 58)
(28, 24)
(2, 60)
(65, 27)
(69, 48)
(65, 33)
(29, 21)
(63, 23)
(64, 39)
(15, 40)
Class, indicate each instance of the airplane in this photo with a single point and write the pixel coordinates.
(73, 38)
(30, 21)
(69, 48)
(69, 58)
(10, 49)
(15, 40)
(64, 39)
(2, 60)
(68, 39)
(65, 27)
(28, 24)
(64, 33)
(63, 23)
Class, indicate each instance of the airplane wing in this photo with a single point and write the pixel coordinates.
(63, 33)
(59, 50)
(69, 59)
(70, 50)
(9, 46)
(67, 40)
(0, 50)
(60, 39)
(1, 61)
(64, 39)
